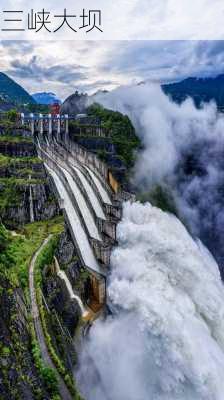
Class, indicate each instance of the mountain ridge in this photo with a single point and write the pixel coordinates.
(11, 91)
(199, 89)
(46, 98)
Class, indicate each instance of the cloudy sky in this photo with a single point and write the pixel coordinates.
(66, 66)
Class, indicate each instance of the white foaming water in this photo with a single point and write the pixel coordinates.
(166, 340)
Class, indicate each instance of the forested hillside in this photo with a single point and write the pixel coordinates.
(12, 92)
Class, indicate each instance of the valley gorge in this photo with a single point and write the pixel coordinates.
(32, 213)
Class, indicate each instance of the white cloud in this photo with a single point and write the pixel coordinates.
(93, 65)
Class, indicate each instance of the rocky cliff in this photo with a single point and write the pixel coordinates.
(19, 377)
(27, 195)
(55, 290)
(75, 104)
(25, 188)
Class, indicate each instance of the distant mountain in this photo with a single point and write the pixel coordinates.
(200, 89)
(46, 98)
(10, 91)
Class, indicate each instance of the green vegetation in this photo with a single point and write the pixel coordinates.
(15, 139)
(16, 251)
(48, 374)
(14, 161)
(37, 108)
(159, 197)
(45, 258)
(10, 195)
(122, 132)
(12, 191)
(19, 181)
(7, 125)
(13, 356)
(18, 171)
(82, 278)
(9, 121)
(102, 155)
(7, 259)
(5, 352)
(12, 115)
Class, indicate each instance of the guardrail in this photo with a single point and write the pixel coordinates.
(100, 169)
(90, 159)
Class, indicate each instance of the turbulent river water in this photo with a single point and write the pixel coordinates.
(165, 340)
(182, 153)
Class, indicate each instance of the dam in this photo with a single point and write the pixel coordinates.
(89, 197)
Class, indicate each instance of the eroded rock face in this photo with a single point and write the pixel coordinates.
(66, 249)
(21, 149)
(23, 179)
(44, 202)
(68, 309)
(19, 378)
(17, 210)
(21, 169)
(55, 289)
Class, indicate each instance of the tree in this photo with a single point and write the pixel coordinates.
(12, 115)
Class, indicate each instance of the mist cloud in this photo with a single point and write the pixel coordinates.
(165, 340)
(183, 152)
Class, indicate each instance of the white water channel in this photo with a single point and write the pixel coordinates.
(72, 295)
(90, 192)
(62, 275)
(102, 191)
(89, 220)
(78, 231)
(31, 203)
